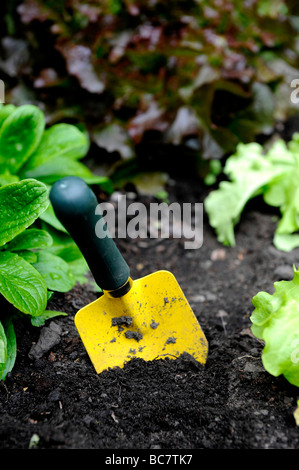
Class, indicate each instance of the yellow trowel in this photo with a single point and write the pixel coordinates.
(148, 318)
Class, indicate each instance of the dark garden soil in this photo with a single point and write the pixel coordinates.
(231, 403)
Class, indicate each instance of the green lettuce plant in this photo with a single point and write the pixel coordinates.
(250, 172)
(37, 256)
(275, 320)
(30, 150)
(25, 283)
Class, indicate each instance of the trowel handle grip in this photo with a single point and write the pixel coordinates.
(75, 206)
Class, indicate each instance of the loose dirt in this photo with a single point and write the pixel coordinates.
(59, 402)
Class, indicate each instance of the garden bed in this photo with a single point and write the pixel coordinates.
(57, 401)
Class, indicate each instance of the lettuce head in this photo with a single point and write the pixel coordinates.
(275, 320)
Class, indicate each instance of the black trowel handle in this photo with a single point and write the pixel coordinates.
(75, 205)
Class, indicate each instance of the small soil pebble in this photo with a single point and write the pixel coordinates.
(133, 335)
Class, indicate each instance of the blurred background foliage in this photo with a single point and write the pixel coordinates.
(167, 86)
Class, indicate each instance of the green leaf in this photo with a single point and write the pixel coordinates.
(41, 319)
(5, 111)
(104, 182)
(251, 173)
(225, 205)
(3, 349)
(79, 268)
(50, 218)
(55, 272)
(275, 320)
(21, 284)
(28, 256)
(76, 262)
(11, 349)
(60, 140)
(21, 204)
(214, 170)
(64, 247)
(56, 168)
(286, 241)
(7, 178)
(20, 135)
(30, 239)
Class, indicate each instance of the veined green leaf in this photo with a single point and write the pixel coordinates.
(60, 140)
(55, 272)
(41, 319)
(20, 135)
(21, 284)
(21, 204)
(30, 239)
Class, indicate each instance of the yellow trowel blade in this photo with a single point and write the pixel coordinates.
(152, 321)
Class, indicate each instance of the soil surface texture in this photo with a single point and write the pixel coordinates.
(53, 399)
